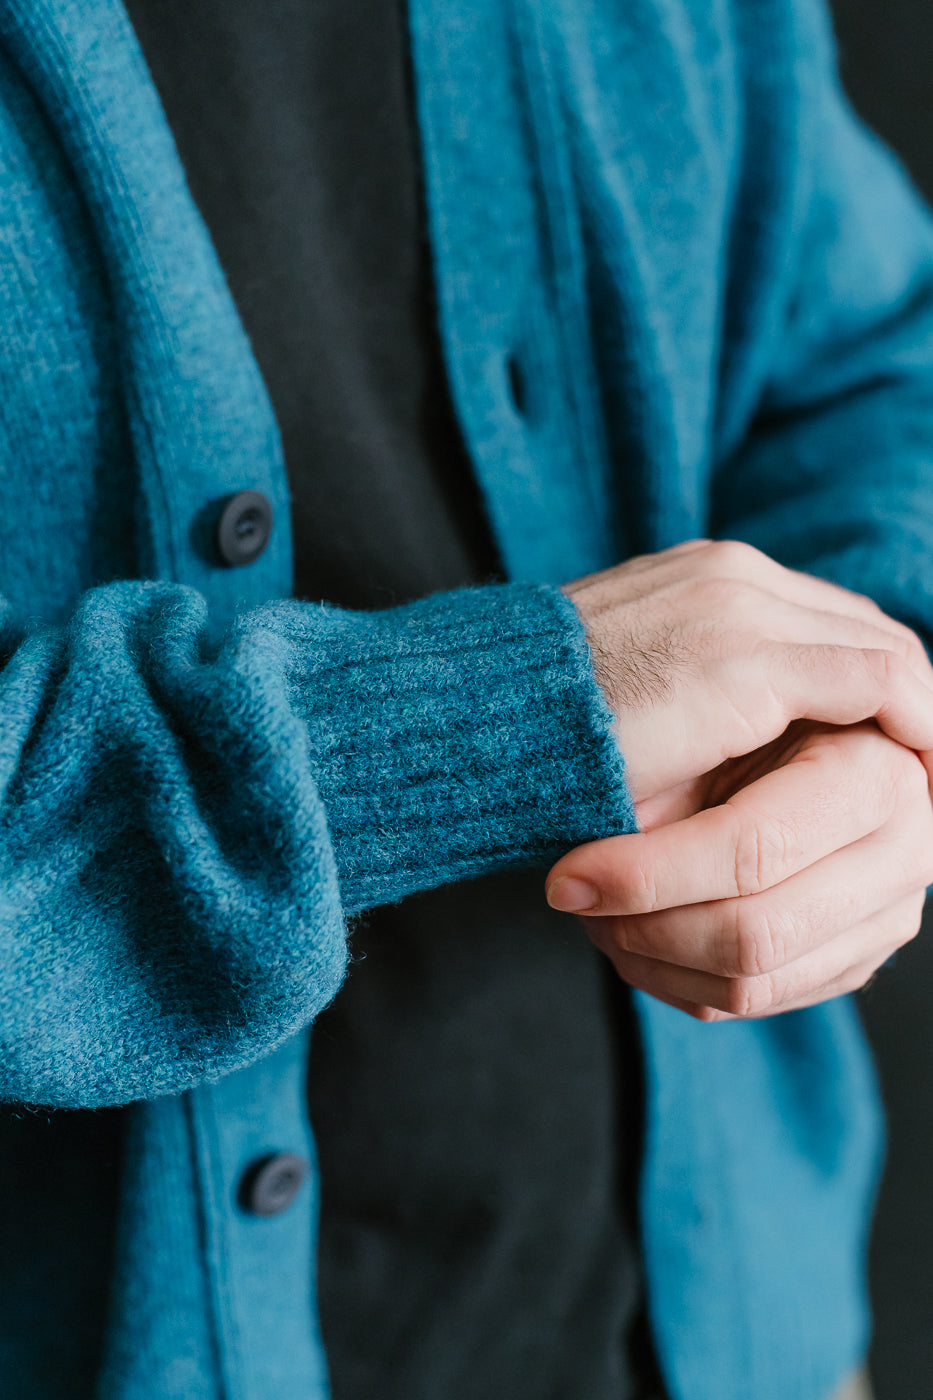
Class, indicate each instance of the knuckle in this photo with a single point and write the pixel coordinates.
(751, 948)
(747, 997)
(908, 641)
(854, 678)
(638, 888)
(717, 596)
(630, 934)
(760, 855)
(736, 557)
(887, 667)
(910, 651)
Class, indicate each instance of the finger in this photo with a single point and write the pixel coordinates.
(674, 804)
(796, 620)
(839, 967)
(852, 981)
(792, 622)
(737, 560)
(826, 797)
(747, 937)
(764, 934)
(845, 685)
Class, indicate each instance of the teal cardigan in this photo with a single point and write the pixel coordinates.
(719, 291)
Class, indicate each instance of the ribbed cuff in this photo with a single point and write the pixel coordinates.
(457, 736)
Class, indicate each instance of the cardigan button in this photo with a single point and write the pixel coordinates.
(270, 1185)
(244, 527)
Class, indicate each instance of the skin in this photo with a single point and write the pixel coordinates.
(778, 738)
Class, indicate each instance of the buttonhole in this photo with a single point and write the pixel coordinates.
(516, 380)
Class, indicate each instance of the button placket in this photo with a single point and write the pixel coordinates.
(260, 1269)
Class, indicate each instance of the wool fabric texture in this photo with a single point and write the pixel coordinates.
(716, 291)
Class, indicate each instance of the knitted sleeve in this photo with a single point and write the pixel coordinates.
(185, 825)
(833, 470)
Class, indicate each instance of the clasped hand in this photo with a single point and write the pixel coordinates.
(778, 738)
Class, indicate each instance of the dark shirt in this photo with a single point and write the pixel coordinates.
(474, 1088)
(291, 120)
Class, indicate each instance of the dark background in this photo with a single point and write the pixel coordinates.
(887, 61)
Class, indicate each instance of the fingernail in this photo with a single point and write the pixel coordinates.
(571, 896)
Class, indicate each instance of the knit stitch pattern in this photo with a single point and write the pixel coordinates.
(182, 822)
(719, 289)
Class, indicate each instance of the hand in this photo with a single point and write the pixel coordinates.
(793, 889)
(709, 651)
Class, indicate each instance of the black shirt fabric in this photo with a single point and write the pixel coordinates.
(291, 120)
(474, 1087)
